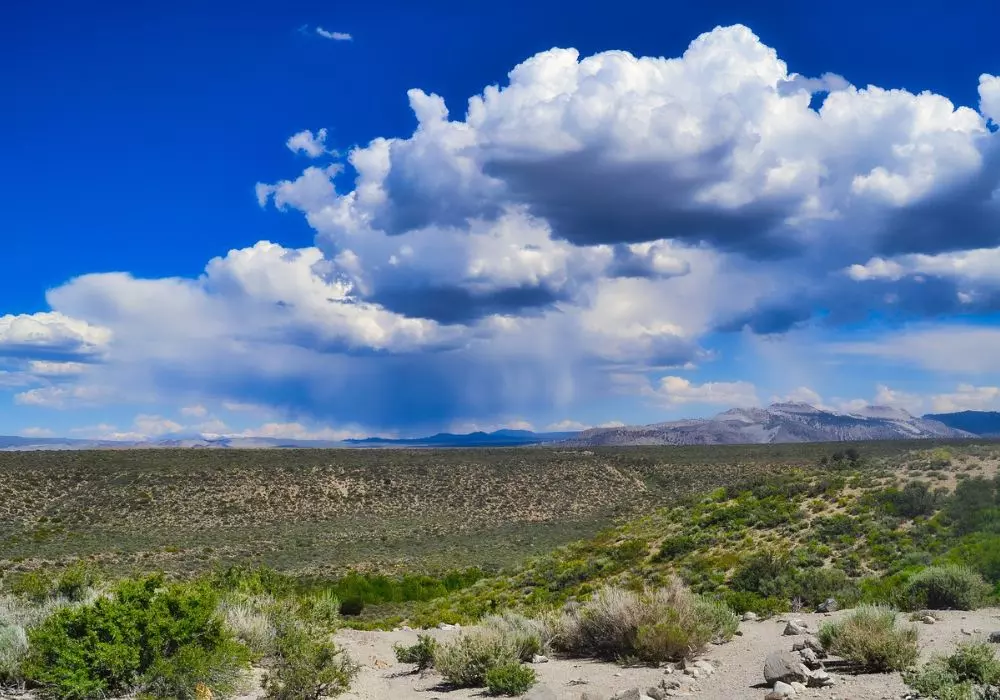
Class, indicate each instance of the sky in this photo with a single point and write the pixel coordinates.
(328, 219)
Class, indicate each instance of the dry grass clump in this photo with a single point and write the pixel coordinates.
(250, 623)
(465, 661)
(870, 638)
(529, 636)
(664, 624)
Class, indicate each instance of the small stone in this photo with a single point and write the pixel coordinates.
(798, 687)
(539, 659)
(928, 620)
(750, 617)
(705, 667)
(810, 659)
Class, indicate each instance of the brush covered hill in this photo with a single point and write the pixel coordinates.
(850, 529)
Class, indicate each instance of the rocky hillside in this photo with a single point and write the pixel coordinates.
(778, 423)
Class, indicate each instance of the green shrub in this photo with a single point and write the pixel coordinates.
(352, 607)
(913, 500)
(742, 601)
(76, 582)
(465, 660)
(322, 607)
(307, 664)
(510, 679)
(421, 653)
(221, 668)
(670, 623)
(958, 676)
(947, 588)
(125, 640)
(870, 638)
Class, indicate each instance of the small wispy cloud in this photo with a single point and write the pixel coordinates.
(335, 36)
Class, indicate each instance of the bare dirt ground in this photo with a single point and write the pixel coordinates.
(739, 665)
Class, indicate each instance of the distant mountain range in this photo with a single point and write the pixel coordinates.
(975, 422)
(778, 423)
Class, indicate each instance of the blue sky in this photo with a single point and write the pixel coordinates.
(329, 219)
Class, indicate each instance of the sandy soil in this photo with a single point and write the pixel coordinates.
(739, 663)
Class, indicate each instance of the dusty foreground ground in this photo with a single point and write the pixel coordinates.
(739, 665)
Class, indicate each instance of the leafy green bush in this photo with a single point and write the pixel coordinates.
(127, 639)
(670, 623)
(870, 638)
(221, 668)
(913, 500)
(307, 664)
(76, 582)
(676, 547)
(742, 601)
(465, 660)
(958, 676)
(510, 679)
(947, 588)
(421, 653)
(351, 607)
(322, 607)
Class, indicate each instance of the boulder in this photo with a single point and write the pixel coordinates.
(541, 692)
(780, 691)
(795, 627)
(750, 617)
(799, 687)
(827, 606)
(994, 638)
(785, 666)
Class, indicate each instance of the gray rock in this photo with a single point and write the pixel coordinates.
(784, 666)
(819, 679)
(750, 617)
(539, 659)
(541, 692)
(799, 687)
(782, 690)
(812, 644)
(928, 620)
(705, 667)
(795, 627)
(810, 659)
(593, 696)
(827, 606)
(631, 694)
(994, 638)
